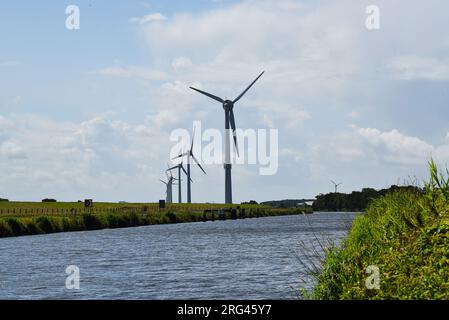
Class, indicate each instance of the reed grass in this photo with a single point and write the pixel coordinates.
(406, 235)
(120, 216)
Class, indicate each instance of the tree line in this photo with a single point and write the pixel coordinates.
(354, 201)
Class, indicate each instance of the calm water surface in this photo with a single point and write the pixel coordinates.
(236, 259)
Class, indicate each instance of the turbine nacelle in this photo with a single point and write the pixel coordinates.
(228, 105)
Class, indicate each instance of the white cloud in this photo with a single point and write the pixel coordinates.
(394, 146)
(163, 118)
(320, 61)
(375, 147)
(152, 17)
(11, 150)
(181, 63)
(419, 68)
(353, 114)
(296, 155)
(101, 157)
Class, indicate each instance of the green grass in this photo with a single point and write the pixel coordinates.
(406, 235)
(30, 218)
(16, 209)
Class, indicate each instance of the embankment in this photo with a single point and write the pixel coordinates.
(49, 221)
(405, 236)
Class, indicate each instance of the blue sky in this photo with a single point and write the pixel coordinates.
(88, 113)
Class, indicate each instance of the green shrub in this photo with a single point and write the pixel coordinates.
(17, 227)
(45, 224)
(31, 227)
(71, 224)
(92, 222)
(133, 219)
(171, 217)
(5, 229)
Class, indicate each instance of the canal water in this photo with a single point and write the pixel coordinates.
(261, 258)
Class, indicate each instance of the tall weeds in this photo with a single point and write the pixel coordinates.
(405, 234)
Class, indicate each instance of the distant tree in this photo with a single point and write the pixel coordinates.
(356, 200)
(48, 200)
(250, 202)
(4, 200)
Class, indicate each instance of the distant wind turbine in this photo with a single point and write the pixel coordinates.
(336, 185)
(179, 167)
(189, 154)
(228, 106)
(169, 184)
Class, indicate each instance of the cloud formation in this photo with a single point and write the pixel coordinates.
(364, 107)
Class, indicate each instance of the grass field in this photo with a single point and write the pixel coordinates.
(29, 218)
(30, 209)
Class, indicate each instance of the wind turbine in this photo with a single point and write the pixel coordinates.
(228, 106)
(169, 184)
(180, 167)
(336, 185)
(189, 154)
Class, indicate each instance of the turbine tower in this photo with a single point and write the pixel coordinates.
(179, 167)
(336, 185)
(189, 154)
(228, 106)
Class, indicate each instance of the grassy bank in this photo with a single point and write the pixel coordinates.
(406, 235)
(27, 218)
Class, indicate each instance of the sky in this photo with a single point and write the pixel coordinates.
(89, 113)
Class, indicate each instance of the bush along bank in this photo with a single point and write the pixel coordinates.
(21, 226)
(399, 249)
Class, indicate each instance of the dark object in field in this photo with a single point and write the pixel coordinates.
(48, 200)
(161, 204)
(88, 203)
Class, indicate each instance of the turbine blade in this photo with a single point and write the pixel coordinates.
(193, 138)
(168, 169)
(234, 134)
(182, 167)
(208, 94)
(194, 159)
(243, 93)
(178, 156)
(172, 168)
